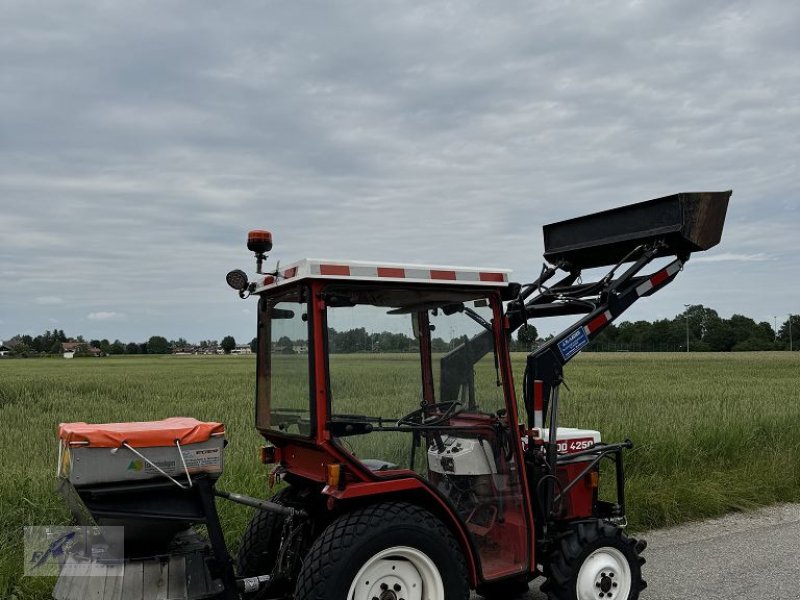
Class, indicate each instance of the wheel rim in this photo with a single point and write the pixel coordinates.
(604, 575)
(399, 573)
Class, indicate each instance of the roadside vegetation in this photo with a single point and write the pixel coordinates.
(714, 432)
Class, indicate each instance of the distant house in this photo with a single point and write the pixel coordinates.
(4, 350)
(70, 348)
(9, 345)
(185, 350)
(207, 350)
(242, 349)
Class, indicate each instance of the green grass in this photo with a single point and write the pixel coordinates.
(713, 433)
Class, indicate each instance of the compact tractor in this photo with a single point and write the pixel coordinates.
(408, 463)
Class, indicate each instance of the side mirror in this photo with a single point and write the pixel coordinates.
(512, 291)
(281, 313)
(415, 325)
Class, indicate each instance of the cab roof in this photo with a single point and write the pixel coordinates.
(313, 268)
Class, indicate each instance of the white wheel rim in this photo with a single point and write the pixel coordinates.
(399, 573)
(604, 575)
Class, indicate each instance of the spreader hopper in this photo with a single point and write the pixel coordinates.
(685, 223)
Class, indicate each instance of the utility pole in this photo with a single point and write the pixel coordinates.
(790, 333)
(687, 306)
(776, 328)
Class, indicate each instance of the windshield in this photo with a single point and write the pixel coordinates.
(282, 386)
(390, 350)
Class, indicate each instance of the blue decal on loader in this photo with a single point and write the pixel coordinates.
(573, 343)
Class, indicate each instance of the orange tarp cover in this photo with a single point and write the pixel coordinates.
(140, 435)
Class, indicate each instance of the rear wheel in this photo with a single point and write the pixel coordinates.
(392, 551)
(595, 561)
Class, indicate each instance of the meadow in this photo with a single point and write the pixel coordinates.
(714, 432)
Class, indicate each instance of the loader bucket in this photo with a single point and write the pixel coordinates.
(687, 222)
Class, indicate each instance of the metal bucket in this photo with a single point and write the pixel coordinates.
(685, 223)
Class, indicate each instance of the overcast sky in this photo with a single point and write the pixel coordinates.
(140, 141)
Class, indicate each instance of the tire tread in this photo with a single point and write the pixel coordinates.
(327, 552)
(565, 560)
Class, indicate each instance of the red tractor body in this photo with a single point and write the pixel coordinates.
(410, 462)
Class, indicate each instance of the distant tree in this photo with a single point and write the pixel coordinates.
(285, 345)
(55, 348)
(132, 348)
(720, 336)
(438, 345)
(354, 340)
(158, 345)
(254, 345)
(754, 345)
(783, 333)
(22, 350)
(82, 350)
(767, 330)
(527, 336)
(105, 346)
(228, 344)
(116, 348)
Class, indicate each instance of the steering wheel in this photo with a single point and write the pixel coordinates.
(417, 418)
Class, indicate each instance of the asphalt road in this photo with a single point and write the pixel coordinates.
(753, 556)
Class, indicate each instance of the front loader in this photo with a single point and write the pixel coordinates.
(402, 464)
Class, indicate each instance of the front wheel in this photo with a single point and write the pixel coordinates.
(595, 561)
(392, 551)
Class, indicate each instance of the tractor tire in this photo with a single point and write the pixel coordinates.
(262, 539)
(389, 551)
(595, 561)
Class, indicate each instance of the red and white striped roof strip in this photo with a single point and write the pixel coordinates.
(339, 270)
(659, 278)
(597, 322)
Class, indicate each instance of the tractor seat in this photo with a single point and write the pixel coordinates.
(374, 464)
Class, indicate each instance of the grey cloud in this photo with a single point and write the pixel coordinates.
(141, 142)
(105, 315)
(733, 257)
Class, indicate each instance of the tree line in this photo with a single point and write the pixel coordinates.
(360, 340)
(52, 343)
(699, 327)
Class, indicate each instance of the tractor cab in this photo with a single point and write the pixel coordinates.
(399, 377)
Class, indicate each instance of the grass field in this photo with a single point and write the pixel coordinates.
(714, 433)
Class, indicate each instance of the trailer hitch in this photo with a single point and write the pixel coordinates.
(287, 511)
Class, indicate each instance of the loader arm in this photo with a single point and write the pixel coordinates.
(546, 363)
(676, 225)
